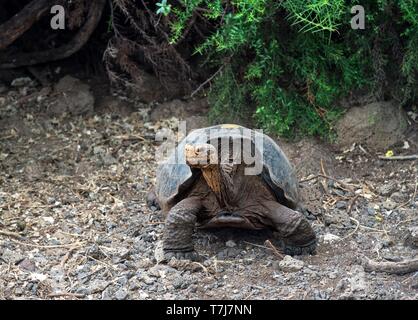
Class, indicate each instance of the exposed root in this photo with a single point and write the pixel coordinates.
(403, 267)
(12, 29)
(65, 51)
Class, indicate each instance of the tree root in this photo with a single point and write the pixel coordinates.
(65, 51)
(21, 22)
(400, 268)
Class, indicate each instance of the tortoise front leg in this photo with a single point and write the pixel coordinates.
(179, 228)
(293, 228)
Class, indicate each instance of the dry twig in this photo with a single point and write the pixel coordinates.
(58, 246)
(410, 157)
(10, 234)
(276, 252)
(65, 294)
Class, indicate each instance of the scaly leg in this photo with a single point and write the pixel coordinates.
(293, 229)
(179, 228)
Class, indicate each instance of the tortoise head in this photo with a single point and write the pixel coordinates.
(201, 155)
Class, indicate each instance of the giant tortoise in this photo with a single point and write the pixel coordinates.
(229, 176)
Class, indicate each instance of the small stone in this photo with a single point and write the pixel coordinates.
(397, 197)
(342, 285)
(389, 204)
(21, 225)
(143, 295)
(2, 101)
(49, 220)
(107, 293)
(19, 291)
(177, 283)
(12, 257)
(121, 294)
(386, 189)
(371, 211)
(230, 244)
(330, 238)
(289, 264)
(21, 82)
(108, 159)
(320, 295)
(99, 150)
(50, 200)
(341, 205)
(38, 277)
(148, 280)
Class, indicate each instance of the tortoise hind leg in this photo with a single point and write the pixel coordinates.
(293, 228)
(179, 228)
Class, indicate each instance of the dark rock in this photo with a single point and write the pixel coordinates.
(370, 211)
(230, 244)
(21, 82)
(121, 294)
(289, 264)
(27, 265)
(341, 205)
(12, 257)
(73, 96)
(377, 125)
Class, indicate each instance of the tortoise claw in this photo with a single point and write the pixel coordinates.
(181, 255)
(297, 250)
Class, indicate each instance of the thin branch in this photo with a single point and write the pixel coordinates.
(276, 252)
(207, 81)
(410, 157)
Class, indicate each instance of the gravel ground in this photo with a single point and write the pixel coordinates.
(74, 225)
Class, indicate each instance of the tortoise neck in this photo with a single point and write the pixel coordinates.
(213, 178)
(219, 182)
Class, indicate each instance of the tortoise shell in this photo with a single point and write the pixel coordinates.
(174, 176)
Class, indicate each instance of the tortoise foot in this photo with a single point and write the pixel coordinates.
(297, 250)
(181, 255)
(301, 241)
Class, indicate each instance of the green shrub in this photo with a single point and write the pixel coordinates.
(291, 61)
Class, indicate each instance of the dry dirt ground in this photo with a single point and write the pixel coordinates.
(74, 224)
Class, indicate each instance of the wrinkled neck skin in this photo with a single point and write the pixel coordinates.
(219, 179)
